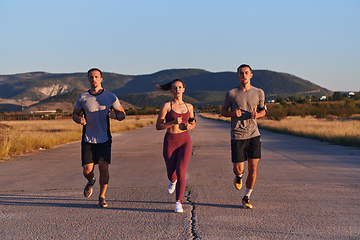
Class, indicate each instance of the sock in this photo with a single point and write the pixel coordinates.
(248, 192)
(92, 182)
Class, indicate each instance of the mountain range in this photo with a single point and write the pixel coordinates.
(46, 90)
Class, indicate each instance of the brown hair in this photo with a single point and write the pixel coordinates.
(168, 86)
(242, 66)
(94, 69)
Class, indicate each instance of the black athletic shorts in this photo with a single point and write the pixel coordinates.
(241, 150)
(92, 152)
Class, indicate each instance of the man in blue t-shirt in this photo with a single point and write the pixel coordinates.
(96, 105)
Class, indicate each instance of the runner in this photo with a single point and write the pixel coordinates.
(246, 103)
(176, 117)
(95, 104)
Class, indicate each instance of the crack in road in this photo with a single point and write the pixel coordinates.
(192, 218)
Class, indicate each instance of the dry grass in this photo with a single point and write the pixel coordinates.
(344, 132)
(215, 116)
(19, 137)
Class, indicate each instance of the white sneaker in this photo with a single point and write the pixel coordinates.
(178, 207)
(171, 187)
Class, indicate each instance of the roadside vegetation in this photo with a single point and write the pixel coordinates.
(59, 114)
(19, 137)
(336, 122)
(340, 131)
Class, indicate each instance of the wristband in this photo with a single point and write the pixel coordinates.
(191, 120)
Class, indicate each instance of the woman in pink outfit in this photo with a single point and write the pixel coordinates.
(177, 117)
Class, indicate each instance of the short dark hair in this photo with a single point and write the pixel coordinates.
(94, 69)
(242, 66)
(168, 86)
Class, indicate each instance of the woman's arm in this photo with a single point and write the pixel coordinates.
(160, 123)
(191, 125)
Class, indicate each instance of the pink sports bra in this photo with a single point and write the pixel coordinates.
(171, 115)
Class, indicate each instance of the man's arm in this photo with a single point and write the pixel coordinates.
(226, 113)
(119, 113)
(256, 115)
(76, 117)
(226, 106)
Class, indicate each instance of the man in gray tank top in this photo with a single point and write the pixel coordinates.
(97, 106)
(246, 103)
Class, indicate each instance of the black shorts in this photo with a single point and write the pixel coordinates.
(241, 150)
(92, 152)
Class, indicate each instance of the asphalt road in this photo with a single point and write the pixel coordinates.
(306, 189)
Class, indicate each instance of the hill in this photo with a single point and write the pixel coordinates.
(197, 80)
(152, 99)
(42, 85)
(202, 87)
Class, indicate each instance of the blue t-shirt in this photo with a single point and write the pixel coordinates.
(96, 111)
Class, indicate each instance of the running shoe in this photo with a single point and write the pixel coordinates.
(171, 187)
(102, 202)
(246, 203)
(178, 207)
(238, 182)
(88, 190)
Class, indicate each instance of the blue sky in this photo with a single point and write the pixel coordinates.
(318, 40)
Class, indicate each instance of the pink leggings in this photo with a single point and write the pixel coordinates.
(177, 151)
